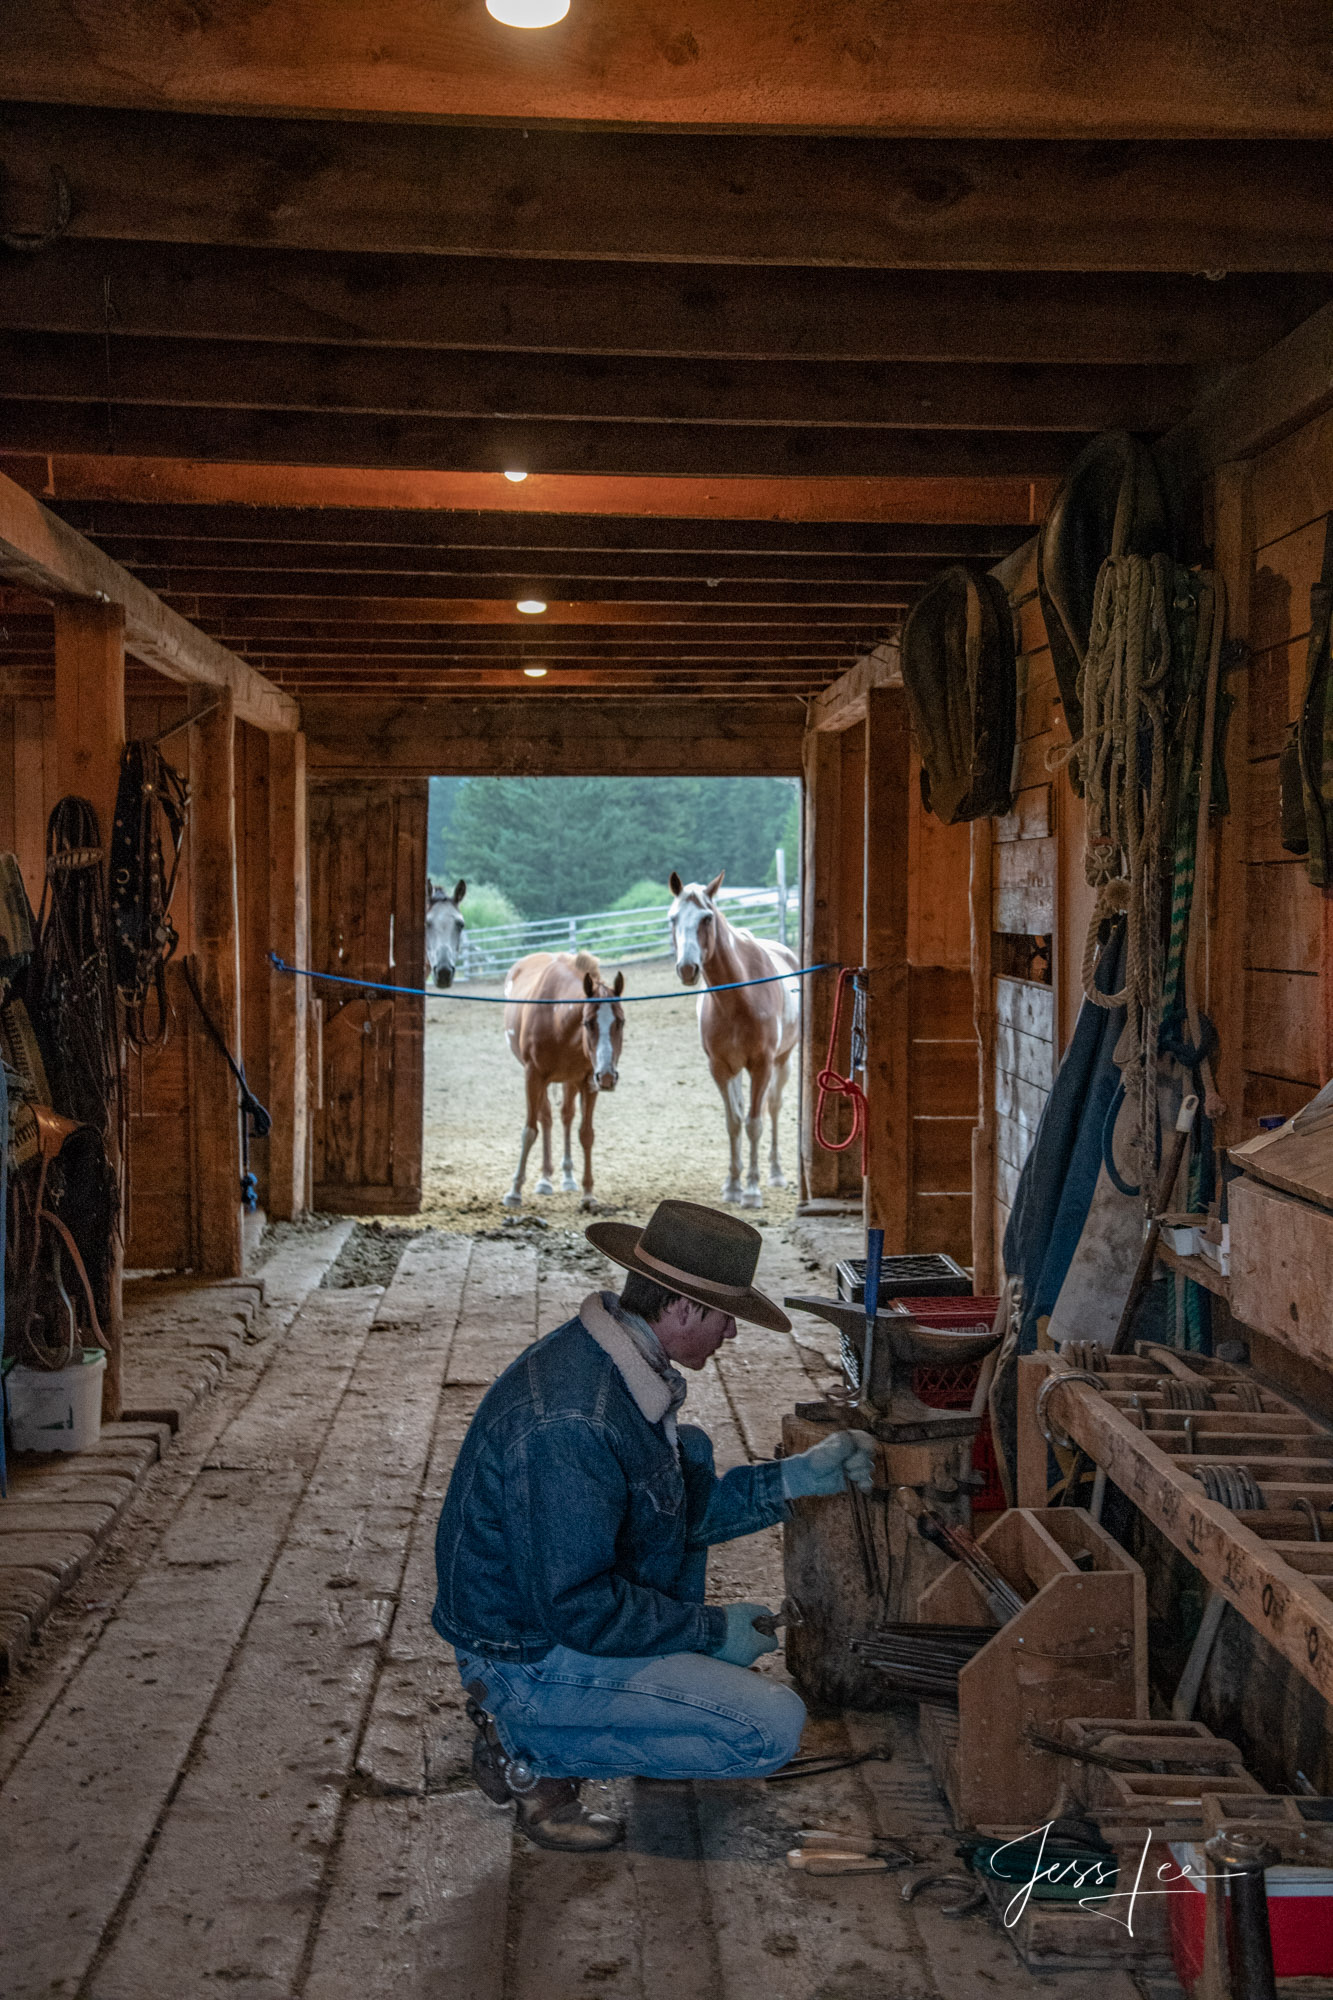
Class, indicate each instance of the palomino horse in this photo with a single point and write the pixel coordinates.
(577, 1045)
(754, 1029)
(444, 931)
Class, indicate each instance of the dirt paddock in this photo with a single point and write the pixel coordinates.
(660, 1133)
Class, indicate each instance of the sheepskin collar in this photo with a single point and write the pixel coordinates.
(657, 1388)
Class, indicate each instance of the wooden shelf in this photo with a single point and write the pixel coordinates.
(1197, 1268)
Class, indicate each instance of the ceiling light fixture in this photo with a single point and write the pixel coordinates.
(535, 673)
(516, 478)
(527, 13)
(532, 604)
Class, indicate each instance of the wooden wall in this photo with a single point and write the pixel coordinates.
(160, 1159)
(1288, 1034)
(1269, 971)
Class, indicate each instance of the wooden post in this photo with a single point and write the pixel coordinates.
(822, 757)
(1224, 999)
(90, 739)
(289, 927)
(985, 1259)
(214, 1112)
(888, 762)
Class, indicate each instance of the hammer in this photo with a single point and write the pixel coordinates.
(788, 1613)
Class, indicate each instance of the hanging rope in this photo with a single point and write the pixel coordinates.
(830, 1081)
(152, 809)
(1121, 759)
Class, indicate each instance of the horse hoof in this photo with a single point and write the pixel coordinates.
(589, 1205)
(569, 1185)
(513, 1200)
(543, 1187)
(777, 1180)
(730, 1191)
(752, 1198)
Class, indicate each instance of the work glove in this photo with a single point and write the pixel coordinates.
(826, 1466)
(743, 1645)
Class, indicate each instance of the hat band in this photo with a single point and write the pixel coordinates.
(690, 1277)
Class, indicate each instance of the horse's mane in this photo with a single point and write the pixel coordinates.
(587, 962)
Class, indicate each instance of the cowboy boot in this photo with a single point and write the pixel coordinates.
(551, 1813)
(489, 1761)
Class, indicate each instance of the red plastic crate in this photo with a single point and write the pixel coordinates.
(949, 1386)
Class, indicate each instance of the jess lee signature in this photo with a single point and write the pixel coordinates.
(1101, 1875)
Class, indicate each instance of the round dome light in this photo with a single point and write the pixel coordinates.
(532, 604)
(535, 673)
(527, 13)
(516, 478)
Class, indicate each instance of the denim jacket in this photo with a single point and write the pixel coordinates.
(571, 1521)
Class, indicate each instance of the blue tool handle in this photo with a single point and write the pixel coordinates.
(874, 1259)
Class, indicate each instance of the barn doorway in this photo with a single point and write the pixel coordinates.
(582, 864)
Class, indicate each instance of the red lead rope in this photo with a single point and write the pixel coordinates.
(830, 1081)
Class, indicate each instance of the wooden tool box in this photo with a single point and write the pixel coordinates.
(1079, 1646)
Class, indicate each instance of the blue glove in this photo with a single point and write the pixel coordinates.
(822, 1469)
(743, 1645)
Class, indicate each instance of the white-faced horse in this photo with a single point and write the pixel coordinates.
(444, 931)
(576, 1045)
(752, 1030)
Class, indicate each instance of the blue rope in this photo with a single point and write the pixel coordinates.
(498, 999)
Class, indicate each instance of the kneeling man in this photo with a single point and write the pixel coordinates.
(573, 1544)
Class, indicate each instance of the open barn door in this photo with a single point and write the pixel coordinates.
(367, 921)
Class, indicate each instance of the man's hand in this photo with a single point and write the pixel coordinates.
(847, 1455)
(743, 1645)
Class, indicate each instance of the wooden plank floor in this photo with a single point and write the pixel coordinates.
(253, 1779)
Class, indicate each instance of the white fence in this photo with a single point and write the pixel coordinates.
(619, 936)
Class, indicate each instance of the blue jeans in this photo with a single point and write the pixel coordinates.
(686, 1715)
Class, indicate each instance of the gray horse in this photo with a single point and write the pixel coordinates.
(444, 931)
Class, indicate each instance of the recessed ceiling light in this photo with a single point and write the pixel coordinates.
(527, 13)
(535, 673)
(532, 604)
(516, 478)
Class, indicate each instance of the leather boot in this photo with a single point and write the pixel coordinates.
(489, 1761)
(552, 1814)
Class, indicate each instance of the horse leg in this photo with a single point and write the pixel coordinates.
(544, 1185)
(760, 1074)
(568, 1184)
(585, 1140)
(731, 1088)
(776, 1089)
(536, 1093)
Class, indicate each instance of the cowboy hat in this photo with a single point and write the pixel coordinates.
(696, 1251)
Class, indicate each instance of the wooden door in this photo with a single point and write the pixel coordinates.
(367, 920)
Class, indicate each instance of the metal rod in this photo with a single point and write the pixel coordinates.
(197, 715)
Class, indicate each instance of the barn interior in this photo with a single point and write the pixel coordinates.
(781, 359)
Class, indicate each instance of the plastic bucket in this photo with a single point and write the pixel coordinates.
(57, 1409)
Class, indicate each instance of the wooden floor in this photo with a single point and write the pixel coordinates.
(241, 1769)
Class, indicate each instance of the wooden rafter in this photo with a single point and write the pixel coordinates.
(1139, 72)
(728, 198)
(39, 553)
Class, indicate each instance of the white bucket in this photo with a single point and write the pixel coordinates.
(57, 1409)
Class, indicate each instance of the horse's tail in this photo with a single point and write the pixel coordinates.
(587, 962)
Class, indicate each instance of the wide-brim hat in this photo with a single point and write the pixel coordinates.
(699, 1252)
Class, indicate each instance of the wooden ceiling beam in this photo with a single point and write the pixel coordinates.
(180, 579)
(729, 198)
(1133, 318)
(805, 395)
(102, 476)
(998, 68)
(479, 539)
(675, 450)
(40, 554)
(506, 569)
(488, 612)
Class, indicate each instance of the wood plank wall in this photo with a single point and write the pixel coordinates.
(1288, 1040)
(161, 1167)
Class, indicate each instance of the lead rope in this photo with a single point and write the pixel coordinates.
(831, 1083)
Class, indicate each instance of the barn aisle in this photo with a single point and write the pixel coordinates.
(254, 1782)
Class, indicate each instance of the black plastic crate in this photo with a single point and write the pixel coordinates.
(922, 1275)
